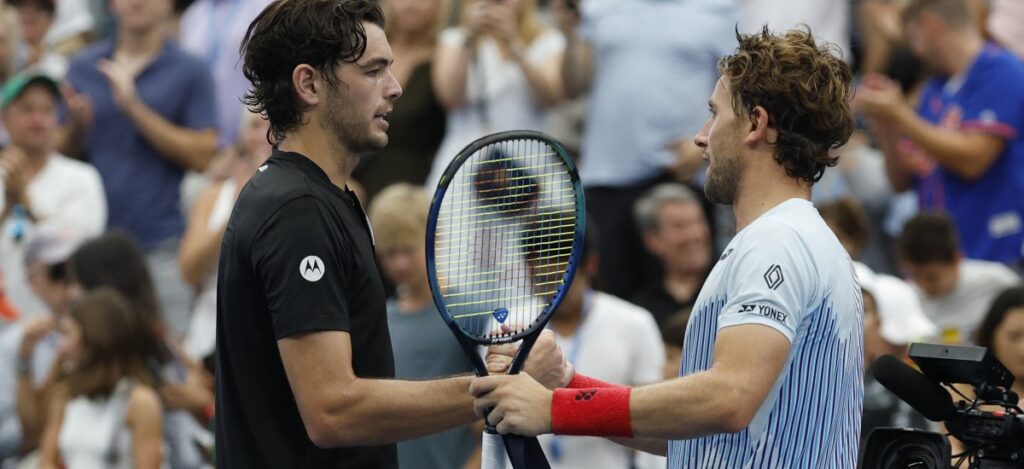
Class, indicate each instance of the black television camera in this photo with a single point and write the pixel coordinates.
(992, 439)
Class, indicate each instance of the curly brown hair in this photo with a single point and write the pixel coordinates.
(804, 86)
(321, 33)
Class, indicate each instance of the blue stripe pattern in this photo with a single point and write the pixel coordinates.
(815, 418)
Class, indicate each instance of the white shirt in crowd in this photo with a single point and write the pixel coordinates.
(67, 193)
(617, 342)
(959, 313)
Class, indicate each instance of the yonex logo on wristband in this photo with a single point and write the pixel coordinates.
(585, 395)
(311, 268)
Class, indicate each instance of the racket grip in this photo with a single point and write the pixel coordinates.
(492, 454)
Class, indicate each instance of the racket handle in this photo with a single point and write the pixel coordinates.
(492, 454)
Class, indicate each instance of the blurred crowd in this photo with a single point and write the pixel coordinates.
(125, 143)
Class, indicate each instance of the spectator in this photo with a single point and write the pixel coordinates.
(142, 111)
(497, 70)
(30, 346)
(674, 229)
(200, 247)
(849, 222)
(649, 67)
(35, 18)
(892, 320)
(212, 31)
(39, 185)
(606, 338)
(105, 412)
(422, 345)
(418, 119)
(964, 146)
(954, 291)
(74, 25)
(1002, 331)
(116, 260)
(829, 20)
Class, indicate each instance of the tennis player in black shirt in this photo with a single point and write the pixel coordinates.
(303, 349)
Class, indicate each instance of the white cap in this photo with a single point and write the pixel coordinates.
(50, 244)
(899, 308)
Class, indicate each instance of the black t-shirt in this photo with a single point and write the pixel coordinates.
(297, 256)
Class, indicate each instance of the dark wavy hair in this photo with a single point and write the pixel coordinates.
(320, 33)
(805, 88)
(1010, 299)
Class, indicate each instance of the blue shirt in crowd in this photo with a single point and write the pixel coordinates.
(988, 98)
(142, 185)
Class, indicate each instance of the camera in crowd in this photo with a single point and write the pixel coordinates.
(992, 438)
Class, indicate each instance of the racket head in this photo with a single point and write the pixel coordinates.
(504, 236)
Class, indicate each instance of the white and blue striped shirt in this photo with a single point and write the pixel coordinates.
(787, 271)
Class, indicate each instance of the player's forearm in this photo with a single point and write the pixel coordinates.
(191, 149)
(697, 405)
(374, 412)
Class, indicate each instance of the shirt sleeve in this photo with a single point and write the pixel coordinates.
(997, 106)
(771, 280)
(300, 262)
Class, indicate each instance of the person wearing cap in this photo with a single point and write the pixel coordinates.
(143, 111)
(33, 53)
(37, 184)
(28, 348)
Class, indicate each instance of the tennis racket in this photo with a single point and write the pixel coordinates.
(504, 236)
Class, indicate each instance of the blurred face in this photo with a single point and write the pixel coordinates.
(34, 23)
(1008, 342)
(412, 15)
(405, 265)
(935, 279)
(721, 140)
(52, 292)
(356, 109)
(682, 240)
(141, 15)
(254, 140)
(31, 120)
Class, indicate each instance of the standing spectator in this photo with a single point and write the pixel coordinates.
(39, 185)
(200, 247)
(105, 412)
(828, 19)
(606, 338)
(418, 119)
(955, 292)
(964, 147)
(422, 344)
(212, 30)
(30, 346)
(35, 18)
(649, 67)
(671, 220)
(497, 70)
(142, 111)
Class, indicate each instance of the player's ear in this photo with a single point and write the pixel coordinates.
(758, 126)
(305, 80)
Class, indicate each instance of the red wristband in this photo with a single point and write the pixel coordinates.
(579, 381)
(592, 412)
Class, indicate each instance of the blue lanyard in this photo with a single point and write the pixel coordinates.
(215, 30)
(571, 353)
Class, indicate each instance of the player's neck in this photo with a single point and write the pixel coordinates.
(313, 143)
(764, 188)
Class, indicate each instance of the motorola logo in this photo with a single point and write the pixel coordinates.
(311, 268)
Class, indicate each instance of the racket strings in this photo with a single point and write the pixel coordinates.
(504, 237)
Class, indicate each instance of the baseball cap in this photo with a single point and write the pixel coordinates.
(17, 84)
(51, 244)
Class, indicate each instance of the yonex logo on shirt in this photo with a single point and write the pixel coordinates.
(311, 268)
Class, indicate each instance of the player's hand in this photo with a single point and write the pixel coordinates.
(546, 361)
(519, 405)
